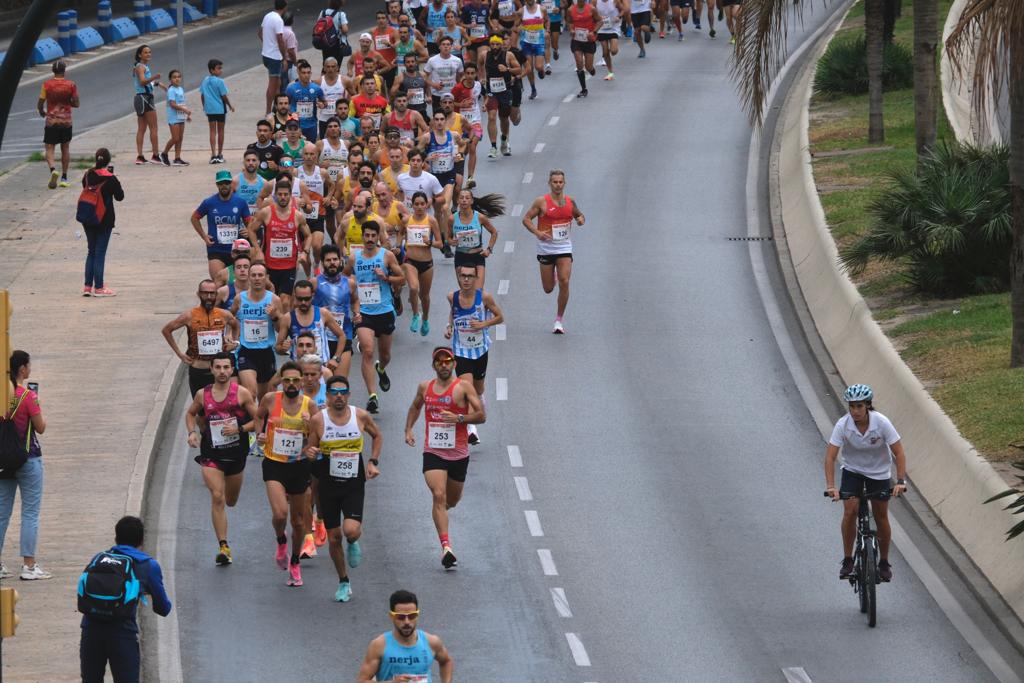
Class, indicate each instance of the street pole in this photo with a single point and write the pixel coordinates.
(5, 351)
(181, 34)
(18, 53)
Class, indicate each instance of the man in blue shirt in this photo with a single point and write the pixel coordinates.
(226, 216)
(214, 93)
(117, 642)
(304, 97)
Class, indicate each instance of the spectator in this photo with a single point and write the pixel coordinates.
(117, 642)
(177, 114)
(271, 35)
(289, 74)
(342, 49)
(28, 423)
(98, 236)
(214, 94)
(58, 95)
(145, 108)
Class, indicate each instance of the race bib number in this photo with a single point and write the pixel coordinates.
(477, 31)
(470, 338)
(381, 42)
(256, 330)
(608, 24)
(415, 95)
(344, 464)
(471, 115)
(281, 248)
(333, 171)
(314, 212)
(217, 436)
(369, 293)
(560, 232)
(304, 109)
(442, 162)
(498, 85)
(405, 134)
(287, 443)
(339, 315)
(417, 237)
(532, 36)
(441, 435)
(376, 120)
(355, 250)
(210, 342)
(581, 35)
(227, 233)
(468, 239)
(506, 7)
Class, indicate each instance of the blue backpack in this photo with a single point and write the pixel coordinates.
(108, 589)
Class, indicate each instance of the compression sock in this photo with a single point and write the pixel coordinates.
(223, 542)
(582, 79)
(295, 558)
(282, 539)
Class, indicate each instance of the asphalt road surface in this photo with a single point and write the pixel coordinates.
(646, 504)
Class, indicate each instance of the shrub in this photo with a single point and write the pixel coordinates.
(843, 69)
(950, 224)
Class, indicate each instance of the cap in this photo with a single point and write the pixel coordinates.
(496, 40)
(442, 351)
(287, 162)
(447, 96)
(222, 177)
(239, 244)
(365, 36)
(292, 123)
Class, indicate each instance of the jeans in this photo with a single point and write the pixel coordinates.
(98, 239)
(30, 479)
(103, 644)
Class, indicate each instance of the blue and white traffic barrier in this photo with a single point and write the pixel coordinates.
(63, 34)
(72, 17)
(123, 28)
(86, 39)
(103, 19)
(210, 7)
(160, 20)
(140, 16)
(188, 12)
(45, 50)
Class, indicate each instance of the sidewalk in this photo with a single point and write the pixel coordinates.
(99, 362)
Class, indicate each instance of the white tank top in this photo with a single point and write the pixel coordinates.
(638, 6)
(342, 445)
(332, 93)
(315, 185)
(336, 158)
(609, 16)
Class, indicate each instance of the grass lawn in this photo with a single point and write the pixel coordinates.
(959, 349)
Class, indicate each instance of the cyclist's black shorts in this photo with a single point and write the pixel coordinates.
(852, 483)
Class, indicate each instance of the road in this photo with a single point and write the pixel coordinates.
(666, 519)
(105, 85)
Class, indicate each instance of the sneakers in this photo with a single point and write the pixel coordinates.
(140, 160)
(281, 556)
(382, 376)
(63, 181)
(255, 451)
(223, 556)
(397, 301)
(4, 571)
(582, 93)
(448, 559)
(661, 34)
(680, 39)
(533, 93)
(414, 326)
(180, 162)
(372, 406)
(54, 176)
(473, 438)
(506, 149)
(610, 76)
(308, 548)
(103, 291)
(493, 154)
(447, 251)
(711, 32)
(425, 328)
(355, 554)
(470, 182)
(37, 573)
(319, 532)
(601, 62)
(344, 592)
(547, 69)
(647, 36)
(884, 570)
(846, 570)
(158, 160)
(213, 160)
(554, 53)
(558, 328)
(164, 159)
(294, 575)
(732, 40)
(643, 53)
(87, 291)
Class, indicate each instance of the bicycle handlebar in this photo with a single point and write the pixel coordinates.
(847, 496)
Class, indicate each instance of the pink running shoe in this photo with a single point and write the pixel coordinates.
(294, 575)
(282, 555)
(104, 291)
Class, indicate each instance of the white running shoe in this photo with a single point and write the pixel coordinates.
(34, 573)
(558, 329)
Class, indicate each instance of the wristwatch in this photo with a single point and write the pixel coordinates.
(901, 482)
(375, 462)
(460, 419)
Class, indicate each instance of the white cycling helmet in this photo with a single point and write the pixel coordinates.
(858, 392)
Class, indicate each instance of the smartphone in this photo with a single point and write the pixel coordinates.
(34, 386)
(110, 168)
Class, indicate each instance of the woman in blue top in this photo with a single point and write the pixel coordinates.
(177, 115)
(144, 81)
(468, 225)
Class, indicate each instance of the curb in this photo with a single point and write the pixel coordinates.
(945, 468)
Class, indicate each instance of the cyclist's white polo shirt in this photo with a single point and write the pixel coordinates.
(868, 453)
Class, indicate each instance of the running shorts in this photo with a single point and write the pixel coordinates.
(293, 476)
(456, 468)
(474, 366)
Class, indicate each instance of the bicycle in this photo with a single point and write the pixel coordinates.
(865, 555)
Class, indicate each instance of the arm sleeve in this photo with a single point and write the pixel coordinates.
(837, 434)
(889, 433)
(161, 603)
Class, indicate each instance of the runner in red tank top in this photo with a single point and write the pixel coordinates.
(583, 19)
(449, 405)
(286, 240)
(555, 213)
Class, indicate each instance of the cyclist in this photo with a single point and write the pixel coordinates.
(869, 443)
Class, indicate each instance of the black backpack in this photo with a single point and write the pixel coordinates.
(108, 589)
(13, 451)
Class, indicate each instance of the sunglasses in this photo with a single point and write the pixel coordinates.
(338, 391)
(303, 298)
(447, 360)
(291, 380)
(405, 616)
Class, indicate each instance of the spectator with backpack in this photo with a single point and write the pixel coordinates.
(21, 466)
(330, 33)
(109, 591)
(100, 189)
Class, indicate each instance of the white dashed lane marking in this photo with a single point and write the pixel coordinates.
(533, 522)
(547, 563)
(500, 332)
(569, 98)
(538, 148)
(561, 603)
(501, 389)
(553, 121)
(517, 209)
(795, 674)
(502, 287)
(510, 246)
(527, 177)
(579, 653)
(523, 489)
(515, 458)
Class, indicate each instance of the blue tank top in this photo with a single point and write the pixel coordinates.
(374, 294)
(226, 304)
(257, 329)
(334, 296)
(467, 235)
(139, 88)
(250, 191)
(466, 342)
(435, 20)
(316, 327)
(398, 659)
(321, 397)
(444, 162)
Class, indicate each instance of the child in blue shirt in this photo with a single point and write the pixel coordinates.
(177, 115)
(214, 94)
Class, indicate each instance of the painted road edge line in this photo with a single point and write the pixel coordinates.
(553, 121)
(510, 246)
(502, 287)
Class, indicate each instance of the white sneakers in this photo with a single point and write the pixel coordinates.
(34, 573)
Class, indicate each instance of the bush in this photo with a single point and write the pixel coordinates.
(843, 69)
(950, 224)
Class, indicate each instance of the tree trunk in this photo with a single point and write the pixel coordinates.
(926, 33)
(1016, 99)
(873, 25)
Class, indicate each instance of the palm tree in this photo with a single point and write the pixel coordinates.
(926, 27)
(991, 32)
(761, 50)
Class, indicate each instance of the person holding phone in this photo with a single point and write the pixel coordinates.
(100, 175)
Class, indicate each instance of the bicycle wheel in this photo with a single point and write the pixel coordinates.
(870, 578)
(859, 583)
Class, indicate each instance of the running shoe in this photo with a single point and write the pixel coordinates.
(103, 291)
(180, 162)
(158, 160)
(558, 328)
(696, 24)
(54, 177)
(884, 570)
(164, 159)
(470, 182)
(254, 447)
(711, 32)
(448, 559)
(506, 149)
(582, 93)
(37, 573)
(447, 251)
(220, 159)
(555, 55)
(281, 556)
(86, 291)
(223, 556)
(846, 570)
(308, 548)
(425, 328)
(372, 405)
(382, 376)
(294, 575)
(732, 40)
(4, 571)
(63, 181)
(610, 76)
(213, 160)
(344, 592)
(643, 53)
(533, 93)
(547, 69)
(647, 36)
(721, 15)
(140, 160)
(319, 532)
(680, 39)
(661, 34)
(601, 62)
(355, 554)
(397, 301)
(493, 154)
(473, 437)
(414, 326)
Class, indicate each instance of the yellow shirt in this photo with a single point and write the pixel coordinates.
(286, 439)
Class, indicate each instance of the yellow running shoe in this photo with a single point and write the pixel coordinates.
(224, 556)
